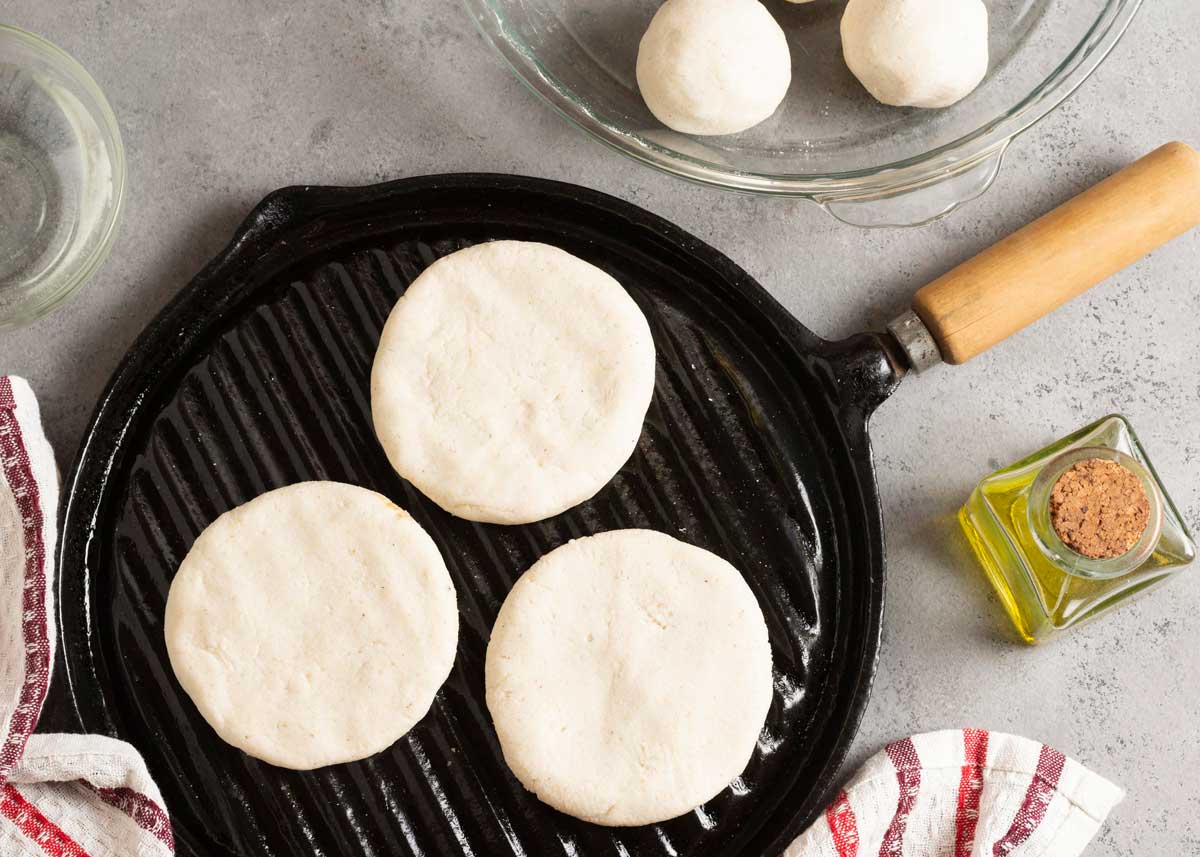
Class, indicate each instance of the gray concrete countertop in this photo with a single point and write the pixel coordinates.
(223, 101)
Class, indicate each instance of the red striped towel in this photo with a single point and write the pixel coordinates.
(963, 793)
(60, 795)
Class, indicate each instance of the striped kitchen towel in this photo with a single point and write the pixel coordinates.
(60, 795)
(963, 793)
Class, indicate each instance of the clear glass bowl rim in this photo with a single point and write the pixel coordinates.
(989, 140)
(70, 280)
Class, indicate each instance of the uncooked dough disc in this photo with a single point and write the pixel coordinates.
(511, 381)
(628, 677)
(312, 625)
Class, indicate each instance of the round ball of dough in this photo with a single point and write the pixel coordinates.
(511, 381)
(628, 677)
(713, 66)
(312, 625)
(916, 53)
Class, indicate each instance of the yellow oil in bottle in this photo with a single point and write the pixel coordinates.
(986, 519)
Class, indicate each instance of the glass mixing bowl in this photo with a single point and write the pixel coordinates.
(62, 177)
(829, 142)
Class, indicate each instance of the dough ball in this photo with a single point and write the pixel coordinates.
(713, 66)
(312, 625)
(628, 677)
(511, 381)
(916, 53)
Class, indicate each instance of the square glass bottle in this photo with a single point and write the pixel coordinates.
(1045, 586)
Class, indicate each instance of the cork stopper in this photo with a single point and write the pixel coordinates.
(1099, 508)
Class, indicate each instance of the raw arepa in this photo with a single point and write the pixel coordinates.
(628, 677)
(312, 625)
(511, 381)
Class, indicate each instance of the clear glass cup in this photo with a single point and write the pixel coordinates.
(829, 142)
(62, 177)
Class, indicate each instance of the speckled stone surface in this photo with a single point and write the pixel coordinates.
(223, 101)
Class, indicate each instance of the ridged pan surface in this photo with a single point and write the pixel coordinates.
(256, 376)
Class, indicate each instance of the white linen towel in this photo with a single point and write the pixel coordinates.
(60, 795)
(963, 793)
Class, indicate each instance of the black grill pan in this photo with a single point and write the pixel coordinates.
(256, 376)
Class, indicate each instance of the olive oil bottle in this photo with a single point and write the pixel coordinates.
(1045, 586)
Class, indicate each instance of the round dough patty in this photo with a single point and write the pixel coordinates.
(628, 677)
(312, 625)
(511, 381)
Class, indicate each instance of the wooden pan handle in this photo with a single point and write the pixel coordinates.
(1062, 254)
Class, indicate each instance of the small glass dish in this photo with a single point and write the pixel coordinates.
(62, 177)
(829, 142)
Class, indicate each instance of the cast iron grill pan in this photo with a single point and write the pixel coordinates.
(257, 376)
